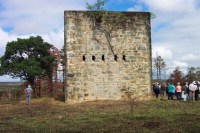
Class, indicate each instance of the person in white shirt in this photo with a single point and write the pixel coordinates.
(192, 88)
(28, 92)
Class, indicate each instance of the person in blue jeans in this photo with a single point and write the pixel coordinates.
(28, 92)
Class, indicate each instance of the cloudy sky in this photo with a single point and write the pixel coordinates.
(175, 30)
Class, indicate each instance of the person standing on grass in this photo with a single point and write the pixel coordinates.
(174, 90)
(185, 91)
(157, 89)
(28, 92)
(197, 91)
(170, 90)
(192, 89)
(163, 89)
(178, 91)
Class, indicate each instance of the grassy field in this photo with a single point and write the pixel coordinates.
(50, 116)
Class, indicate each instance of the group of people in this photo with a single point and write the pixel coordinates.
(185, 92)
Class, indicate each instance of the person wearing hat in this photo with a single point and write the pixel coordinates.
(192, 89)
(28, 92)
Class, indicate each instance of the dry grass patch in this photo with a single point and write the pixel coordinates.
(49, 115)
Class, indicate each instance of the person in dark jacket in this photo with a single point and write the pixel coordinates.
(185, 91)
(197, 91)
(156, 89)
(163, 89)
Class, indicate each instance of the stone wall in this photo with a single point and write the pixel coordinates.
(93, 71)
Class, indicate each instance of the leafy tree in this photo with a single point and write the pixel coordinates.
(98, 6)
(192, 74)
(27, 59)
(176, 76)
(159, 64)
(198, 73)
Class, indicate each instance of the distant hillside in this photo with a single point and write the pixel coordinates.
(10, 85)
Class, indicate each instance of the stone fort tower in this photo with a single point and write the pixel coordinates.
(96, 70)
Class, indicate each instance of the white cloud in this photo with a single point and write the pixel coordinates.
(6, 37)
(135, 8)
(53, 37)
(190, 57)
(175, 31)
(37, 16)
(179, 64)
(164, 52)
(170, 6)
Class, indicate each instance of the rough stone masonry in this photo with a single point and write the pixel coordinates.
(93, 72)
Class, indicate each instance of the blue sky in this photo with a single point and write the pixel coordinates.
(175, 30)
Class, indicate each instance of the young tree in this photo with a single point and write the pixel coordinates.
(159, 64)
(176, 76)
(27, 59)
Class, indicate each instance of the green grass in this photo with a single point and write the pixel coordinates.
(50, 116)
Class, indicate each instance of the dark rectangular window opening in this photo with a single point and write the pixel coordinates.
(115, 57)
(83, 58)
(103, 58)
(93, 58)
(124, 58)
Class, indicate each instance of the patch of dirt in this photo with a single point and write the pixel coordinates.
(151, 125)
